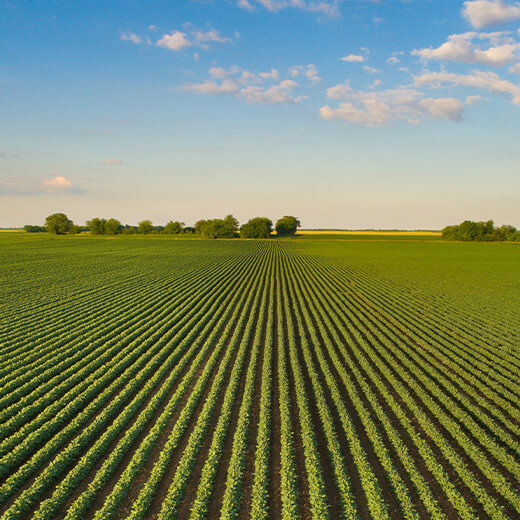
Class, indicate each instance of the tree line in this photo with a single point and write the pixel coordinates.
(469, 231)
(228, 227)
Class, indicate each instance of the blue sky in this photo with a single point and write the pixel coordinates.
(353, 114)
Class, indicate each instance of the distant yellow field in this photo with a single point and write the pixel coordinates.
(382, 233)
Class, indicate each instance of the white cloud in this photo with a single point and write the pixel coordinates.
(393, 60)
(443, 108)
(353, 58)
(174, 41)
(379, 108)
(228, 86)
(251, 86)
(178, 40)
(309, 71)
(209, 36)
(462, 48)
(130, 37)
(274, 75)
(371, 70)
(478, 79)
(110, 161)
(221, 73)
(20, 186)
(249, 78)
(473, 100)
(325, 7)
(281, 93)
(482, 13)
(515, 69)
(58, 183)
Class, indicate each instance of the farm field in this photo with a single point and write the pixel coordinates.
(307, 378)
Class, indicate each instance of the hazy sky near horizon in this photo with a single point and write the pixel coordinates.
(352, 114)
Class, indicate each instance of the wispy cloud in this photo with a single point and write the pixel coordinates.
(130, 37)
(110, 161)
(371, 70)
(329, 8)
(478, 79)
(19, 186)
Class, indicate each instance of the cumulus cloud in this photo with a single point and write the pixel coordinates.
(58, 183)
(309, 71)
(221, 72)
(281, 93)
(228, 86)
(328, 8)
(248, 78)
(479, 79)
(483, 13)
(353, 58)
(443, 108)
(111, 161)
(254, 87)
(191, 36)
(19, 186)
(379, 108)
(371, 70)
(462, 48)
(130, 37)
(273, 74)
(209, 36)
(393, 60)
(175, 41)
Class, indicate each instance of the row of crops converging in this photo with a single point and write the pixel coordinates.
(248, 380)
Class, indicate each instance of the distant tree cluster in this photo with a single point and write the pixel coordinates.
(258, 227)
(228, 227)
(469, 231)
(287, 225)
(60, 224)
(35, 229)
(217, 227)
(101, 226)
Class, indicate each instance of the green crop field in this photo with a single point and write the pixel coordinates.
(323, 377)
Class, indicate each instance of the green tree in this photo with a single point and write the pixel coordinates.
(59, 224)
(144, 227)
(173, 228)
(469, 231)
(258, 227)
(199, 225)
(113, 227)
(218, 228)
(287, 225)
(97, 226)
(34, 229)
(232, 223)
